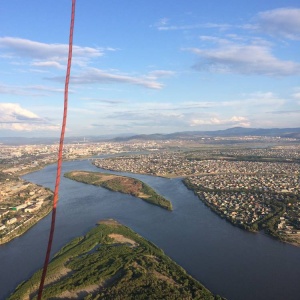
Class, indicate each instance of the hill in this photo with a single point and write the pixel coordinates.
(230, 132)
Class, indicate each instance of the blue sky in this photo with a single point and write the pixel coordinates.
(149, 66)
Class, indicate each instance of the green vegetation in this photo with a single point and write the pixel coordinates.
(113, 262)
(122, 184)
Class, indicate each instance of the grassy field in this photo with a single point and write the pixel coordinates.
(113, 262)
(123, 184)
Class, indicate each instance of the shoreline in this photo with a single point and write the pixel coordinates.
(123, 184)
(23, 229)
(219, 214)
(41, 214)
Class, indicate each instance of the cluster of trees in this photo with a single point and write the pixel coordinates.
(122, 271)
(155, 198)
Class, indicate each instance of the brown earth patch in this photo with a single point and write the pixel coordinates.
(100, 177)
(143, 196)
(164, 278)
(124, 184)
(78, 294)
(122, 239)
(50, 279)
(153, 257)
(295, 238)
(129, 185)
(110, 222)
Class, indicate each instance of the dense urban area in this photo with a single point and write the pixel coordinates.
(253, 182)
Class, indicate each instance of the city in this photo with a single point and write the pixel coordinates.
(253, 183)
(253, 188)
(255, 195)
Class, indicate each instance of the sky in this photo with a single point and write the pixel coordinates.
(142, 67)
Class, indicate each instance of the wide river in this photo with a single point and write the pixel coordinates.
(229, 261)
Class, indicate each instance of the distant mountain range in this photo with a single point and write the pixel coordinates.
(230, 132)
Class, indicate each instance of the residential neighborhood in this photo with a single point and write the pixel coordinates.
(254, 188)
(251, 194)
(22, 204)
(176, 164)
(22, 159)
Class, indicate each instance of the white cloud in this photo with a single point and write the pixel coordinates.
(281, 22)
(103, 101)
(263, 99)
(46, 88)
(12, 111)
(161, 73)
(47, 64)
(251, 59)
(233, 121)
(33, 49)
(93, 75)
(296, 95)
(31, 90)
(161, 22)
(28, 127)
(165, 27)
(45, 55)
(6, 89)
(14, 117)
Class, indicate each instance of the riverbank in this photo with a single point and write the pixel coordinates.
(122, 184)
(24, 227)
(192, 235)
(113, 262)
(23, 204)
(269, 223)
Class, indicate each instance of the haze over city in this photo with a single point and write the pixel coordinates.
(149, 66)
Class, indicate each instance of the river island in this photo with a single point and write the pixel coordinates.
(113, 262)
(122, 184)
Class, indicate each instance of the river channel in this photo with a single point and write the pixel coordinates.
(229, 261)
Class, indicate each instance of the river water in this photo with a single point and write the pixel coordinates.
(229, 261)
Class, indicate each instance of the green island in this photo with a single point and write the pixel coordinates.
(123, 184)
(113, 262)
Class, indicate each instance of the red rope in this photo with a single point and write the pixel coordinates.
(60, 151)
